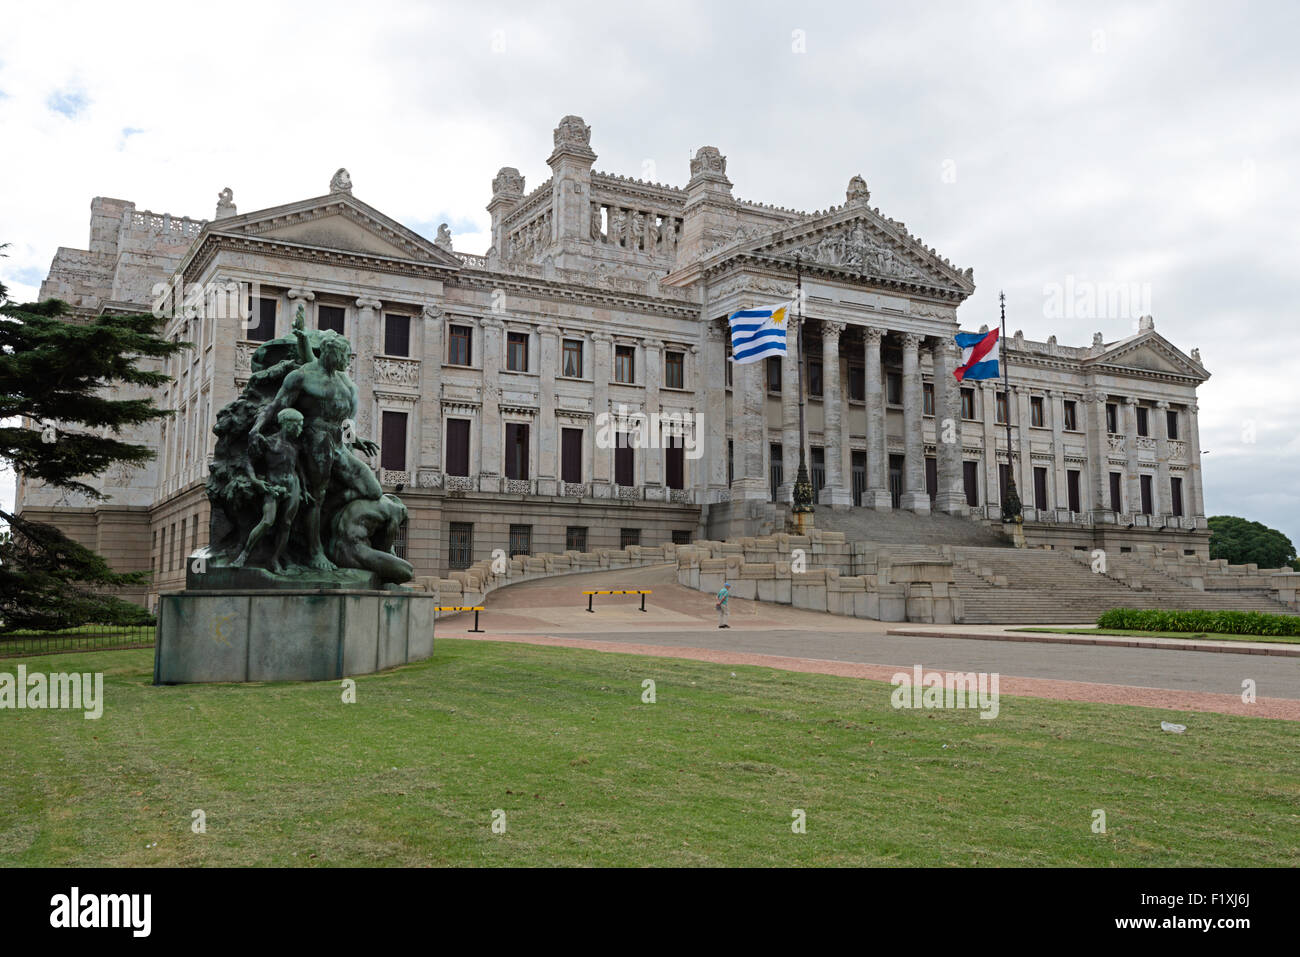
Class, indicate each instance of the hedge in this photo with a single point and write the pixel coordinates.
(1221, 622)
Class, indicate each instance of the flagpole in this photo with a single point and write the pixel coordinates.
(803, 493)
(1011, 508)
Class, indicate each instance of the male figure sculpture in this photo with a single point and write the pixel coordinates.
(282, 488)
(321, 390)
(363, 536)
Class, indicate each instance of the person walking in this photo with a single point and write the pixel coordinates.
(721, 605)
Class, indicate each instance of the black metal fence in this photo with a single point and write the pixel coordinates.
(23, 644)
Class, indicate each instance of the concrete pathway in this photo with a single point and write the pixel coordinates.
(682, 622)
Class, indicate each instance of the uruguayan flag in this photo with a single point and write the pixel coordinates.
(758, 333)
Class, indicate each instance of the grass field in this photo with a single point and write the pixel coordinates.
(586, 773)
(83, 638)
(1211, 635)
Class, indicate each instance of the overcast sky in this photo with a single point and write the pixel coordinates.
(1042, 144)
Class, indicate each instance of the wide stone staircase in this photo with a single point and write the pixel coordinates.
(1044, 586)
(900, 527)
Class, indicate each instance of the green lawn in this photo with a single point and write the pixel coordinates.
(587, 774)
(1211, 635)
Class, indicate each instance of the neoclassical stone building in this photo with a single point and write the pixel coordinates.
(486, 378)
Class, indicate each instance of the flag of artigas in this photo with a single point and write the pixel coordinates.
(215, 299)
(626, 428)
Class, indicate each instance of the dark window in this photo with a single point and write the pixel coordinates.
(681, 536)
(517, 351)
(968, 403)
(459, 342)
(1004, 478)
(1072, 490)
(329, 317)
(162, 549)
(575, 538)
(857, 383)
(1001, 408)
(971, 482)
(399, 540)
(775, 468)
(516, 450)
(180, 542)
(573, 358)
(1071, 417)
(727, 363)
(1171, 424)
(731, 462)
(458, 446)
(1144, 422)
(571, 456)
(629, 536)
(624, 460)
(397, 335)
(896, 463)
(171, 552)
(460, 545)
(1036, 412)
(894, 388)
(1144, 486)
(1176, 496)
(624, 364)
(194, 535)
(774, 375)
(931, 477)
(858, 471)
(1116, 499)
(521, 540)
(927, 398)
(814, 377)
(1040, 487)
(264, 331)
(818, 469)
(675, 462)
(392, 444)
(1112, 418)
(674, 370)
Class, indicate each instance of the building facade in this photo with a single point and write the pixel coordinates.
(490, 380)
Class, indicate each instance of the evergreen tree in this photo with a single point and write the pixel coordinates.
(58, 422)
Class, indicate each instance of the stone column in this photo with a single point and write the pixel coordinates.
(490, 463)
(1195, 492)
(602, 370)
(713, 477)
(548, 350)
(915, 497)
(1098, 453)
(432, 354)
(951, 494)
(1162, 504)
(653, 456)
(833, 492)
(299, 297)
(1058, 494)
(367, 347)
(789, 413)
(989, 406)
(1132, 488)
(877, 493)
(749, 432)
(1026, 479)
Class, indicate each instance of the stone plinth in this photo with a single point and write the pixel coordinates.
(288, 634)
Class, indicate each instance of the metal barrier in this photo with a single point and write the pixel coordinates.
(474, 608)
(591, 595)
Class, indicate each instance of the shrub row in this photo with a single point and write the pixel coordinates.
(1223, 622)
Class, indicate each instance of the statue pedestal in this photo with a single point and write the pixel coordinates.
(289, 634)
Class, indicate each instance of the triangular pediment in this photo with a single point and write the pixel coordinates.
(339, 221)
(1150, 352)
(856, 241)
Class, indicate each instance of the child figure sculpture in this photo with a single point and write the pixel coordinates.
(283, 489)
